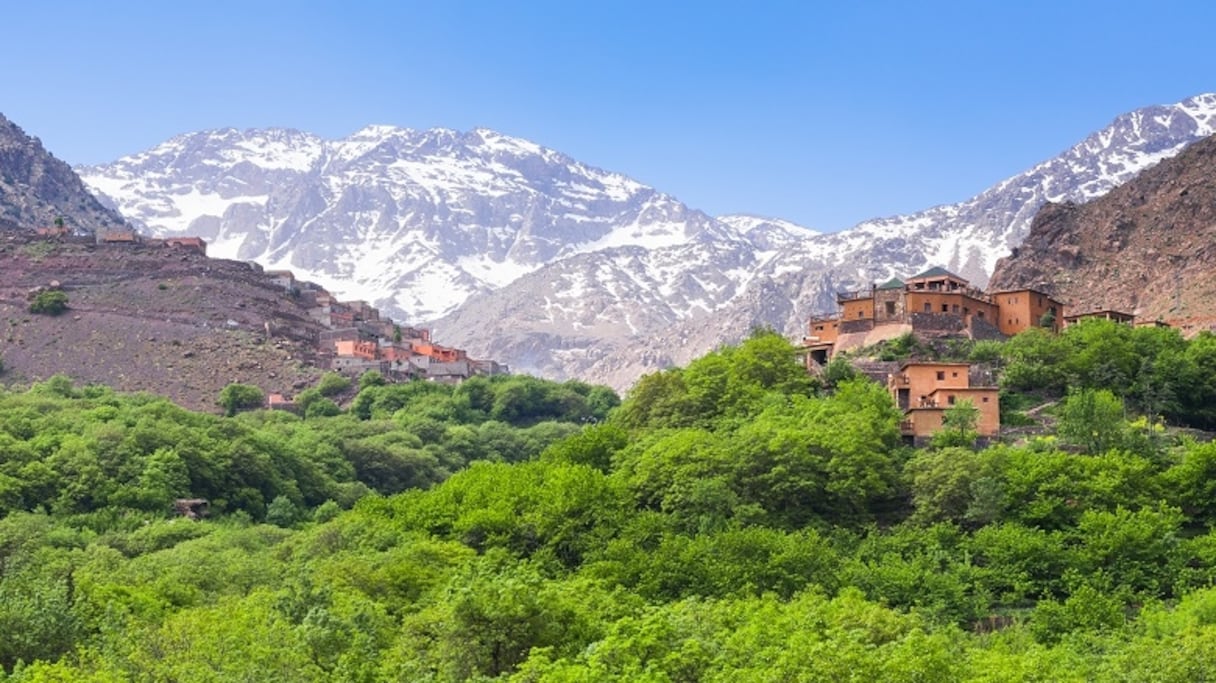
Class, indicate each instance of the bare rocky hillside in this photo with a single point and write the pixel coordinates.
(154, 319)
(1148, 247)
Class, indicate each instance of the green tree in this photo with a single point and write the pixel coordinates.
(1047, 321)
(1092, 419)
(333, 383)
(237, 397)
(958, 426)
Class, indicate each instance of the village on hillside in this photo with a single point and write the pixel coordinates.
(356, 338)
(938, 304)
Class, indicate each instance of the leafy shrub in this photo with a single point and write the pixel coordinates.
(50, 302)
(332, 384)
(237, 397)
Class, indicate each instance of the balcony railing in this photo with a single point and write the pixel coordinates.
(842, 297)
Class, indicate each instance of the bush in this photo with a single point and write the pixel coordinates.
(51, 302)
(332, 384)
(237, 397)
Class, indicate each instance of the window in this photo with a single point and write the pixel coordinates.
(950, 399)
(928, 307)
(890, 308)
(954, 374)
(954, 308)
(985, 399)
(945, 308)
(941, 374)
(861, 314)
(966, 311)
(980, 314)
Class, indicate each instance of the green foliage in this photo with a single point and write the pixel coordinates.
(837, 371)
(903, 347)
(742, 527)
(958, 426)
(986, 351)
(49, 302)
(332, 384)
(730, 383)
(237, 397)
(1154, 370)
(1092, 419)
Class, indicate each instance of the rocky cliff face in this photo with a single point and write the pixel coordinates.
(1148, 247)
(36, 188)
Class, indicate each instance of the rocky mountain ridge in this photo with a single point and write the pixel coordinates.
(37, 190)
(1148, 247)
(515, 251)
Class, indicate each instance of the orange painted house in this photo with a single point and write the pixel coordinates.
(1021, 309)
(356, 349)
(926, 390)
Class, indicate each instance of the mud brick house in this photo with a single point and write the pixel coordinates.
(935, 303)
(1021, 309)
(924, 391)
(194, 244)
(1105, 314)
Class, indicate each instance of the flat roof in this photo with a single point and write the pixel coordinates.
(934, 363)
(1025, 289)
(1101, 312)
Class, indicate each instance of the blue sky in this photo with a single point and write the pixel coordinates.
(821, 113)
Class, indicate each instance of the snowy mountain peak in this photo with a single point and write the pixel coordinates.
(416, 221)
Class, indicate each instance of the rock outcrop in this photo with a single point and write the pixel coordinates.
(1148, 247)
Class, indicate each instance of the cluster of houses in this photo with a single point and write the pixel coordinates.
(938, 303)
(358, 339)
(119, 237)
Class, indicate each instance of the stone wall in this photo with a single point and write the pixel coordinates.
(854, 326)
(938, 324)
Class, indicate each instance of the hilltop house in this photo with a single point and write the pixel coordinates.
(933, 303)
(194, 244)
(926, 390)
(1104, 314)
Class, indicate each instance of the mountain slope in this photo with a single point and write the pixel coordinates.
(522, 253)
(1148, 247)
(414, 221)
(36, 189)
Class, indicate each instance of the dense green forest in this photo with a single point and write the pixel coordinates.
(733, 520)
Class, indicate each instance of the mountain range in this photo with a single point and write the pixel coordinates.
(519, 252)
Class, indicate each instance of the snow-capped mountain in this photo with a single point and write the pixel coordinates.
(970, 236)
(415, 221)
(560, 268)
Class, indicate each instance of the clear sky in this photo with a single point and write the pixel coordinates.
(821, 113)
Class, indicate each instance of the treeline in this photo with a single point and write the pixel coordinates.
(1154, 369)
(730, 521)
(88, 451)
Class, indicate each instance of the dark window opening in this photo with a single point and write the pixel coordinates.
(941, 374)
